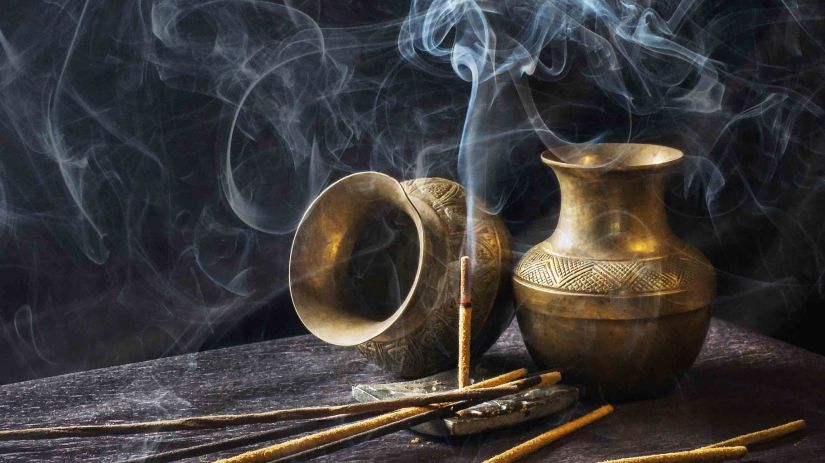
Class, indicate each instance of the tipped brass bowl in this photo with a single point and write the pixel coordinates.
(402, 314)
(613, 297)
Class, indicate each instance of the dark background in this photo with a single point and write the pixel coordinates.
(121, 238)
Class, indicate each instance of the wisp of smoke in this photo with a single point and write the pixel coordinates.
(158, 154)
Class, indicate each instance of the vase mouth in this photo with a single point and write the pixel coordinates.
(325, 244)
(607, 157)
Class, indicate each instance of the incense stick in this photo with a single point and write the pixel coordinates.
(349, 431)
(763, 435)
(704, 455)
(544, 380)
(444, 410)
(314, 425)
(465, 317)
(537, 443)
(235, 442)
(219, 421)
(720, 451)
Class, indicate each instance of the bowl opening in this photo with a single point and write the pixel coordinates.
(356, 259)
(380, 273)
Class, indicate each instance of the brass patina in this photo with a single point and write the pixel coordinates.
(613, 297)
(415, 334)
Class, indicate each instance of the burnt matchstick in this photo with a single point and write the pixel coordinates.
(344, 435)
(219, 421)
(465, 317)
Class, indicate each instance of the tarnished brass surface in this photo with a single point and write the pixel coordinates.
(417, 336)
(613, 297)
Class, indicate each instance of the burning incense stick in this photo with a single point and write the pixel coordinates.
(346, 432)
(465, 316)
(218, 421)
(535, 444)
(761, 436)
(691, 456)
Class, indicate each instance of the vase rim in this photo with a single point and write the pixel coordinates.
(607, 157)
(310, 276)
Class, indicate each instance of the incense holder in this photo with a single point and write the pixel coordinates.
(502, 413)
(613, 297)
(374, 264)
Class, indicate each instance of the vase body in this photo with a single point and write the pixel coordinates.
(416, 333)
(613, 297)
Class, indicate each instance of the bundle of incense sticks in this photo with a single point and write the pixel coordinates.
(349, 434)
(403, 412)
(354, 432)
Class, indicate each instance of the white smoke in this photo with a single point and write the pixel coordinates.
(158, 154)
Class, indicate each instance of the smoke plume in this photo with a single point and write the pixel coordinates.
(158, 154)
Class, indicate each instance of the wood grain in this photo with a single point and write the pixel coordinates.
(742, 382)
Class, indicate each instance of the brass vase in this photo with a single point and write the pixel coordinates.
(402, 316)
(613, 297)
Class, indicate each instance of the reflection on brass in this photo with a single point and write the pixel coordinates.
(613, 298)
(374, 264)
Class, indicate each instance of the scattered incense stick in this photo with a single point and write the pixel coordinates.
(219, 421)
(314, 425)
(465, 316)
(535, 444)
(235, 442)
(296, 446)
(443, 410)
(761, 436)
(721, 451)
(499, 380)
(704, 455)
(545, 379)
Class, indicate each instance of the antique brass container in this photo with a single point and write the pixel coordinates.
(402, 314)
(612, 296)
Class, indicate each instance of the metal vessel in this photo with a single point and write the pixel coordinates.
(613, 297)
(402, 315)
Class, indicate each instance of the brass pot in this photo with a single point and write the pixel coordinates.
(612, 296)
(403, 315)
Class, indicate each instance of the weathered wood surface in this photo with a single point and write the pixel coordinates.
(742, 382)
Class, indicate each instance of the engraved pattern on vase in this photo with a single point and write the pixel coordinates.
(430, 347)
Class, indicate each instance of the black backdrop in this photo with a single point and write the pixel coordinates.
(122, 238)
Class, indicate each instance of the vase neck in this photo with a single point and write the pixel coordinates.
(611, 215)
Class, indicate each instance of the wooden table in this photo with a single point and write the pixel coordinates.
(741, 382)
